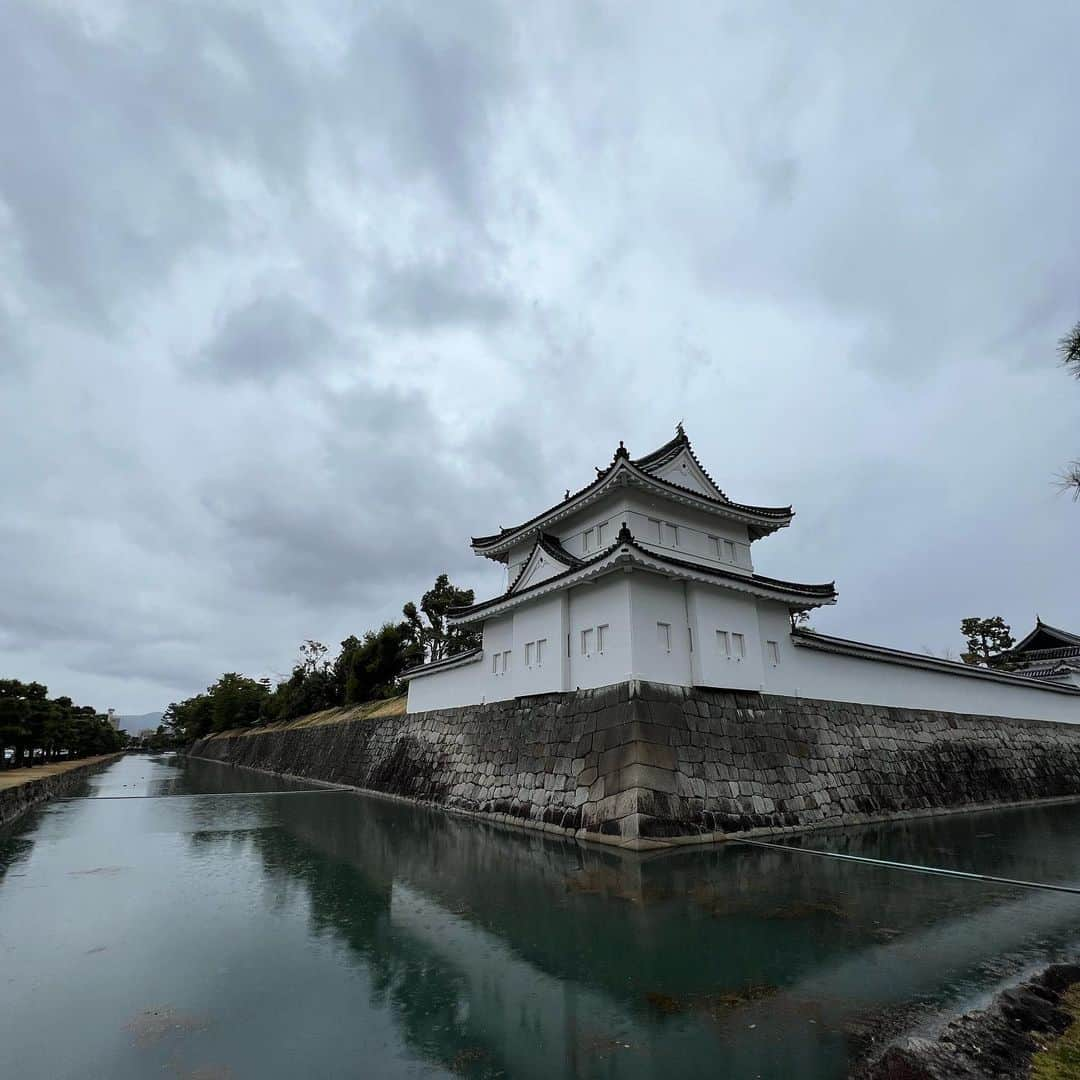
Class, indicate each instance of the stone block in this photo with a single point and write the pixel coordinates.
(647, 776)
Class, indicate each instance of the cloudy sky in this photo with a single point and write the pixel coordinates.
(295, 297)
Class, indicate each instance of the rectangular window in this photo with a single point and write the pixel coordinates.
(715, 548)
(656, 529)
(773, 648)
(601, 637)
(663, 634)
(724, 642)
(540, 651)
(671, 534)
(600, 534)
(586, 642)
(506, 662)
(495, 664)
(528, 653)
(738, 646)
(729, 551)
(587, 540)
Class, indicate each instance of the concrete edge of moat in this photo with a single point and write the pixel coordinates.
(644, 765)
(17, 799)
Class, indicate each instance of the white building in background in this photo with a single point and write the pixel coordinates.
(648, 573)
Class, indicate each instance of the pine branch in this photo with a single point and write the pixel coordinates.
(1069, 480)
(1069, 351)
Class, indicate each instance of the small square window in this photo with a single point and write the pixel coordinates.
(586, 642)
(601, 637)
(738, 645)
(528, 653)
(663, 634)
(724, 641)
(773, 649)
(540, 652)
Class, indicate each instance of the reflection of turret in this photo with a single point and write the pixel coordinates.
(534, 956)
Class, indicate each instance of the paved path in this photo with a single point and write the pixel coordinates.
(10, 778)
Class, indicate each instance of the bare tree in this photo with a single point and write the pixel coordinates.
(1069, 351)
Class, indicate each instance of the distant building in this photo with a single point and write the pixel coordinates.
(1048, 653)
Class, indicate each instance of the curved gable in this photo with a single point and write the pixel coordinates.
(548, 558)
(683, 470)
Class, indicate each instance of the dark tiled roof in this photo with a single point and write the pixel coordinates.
(1043, 633)
(1062, 653)
(644, 464)
(445, 662)
(823, 593)
(1043, 673)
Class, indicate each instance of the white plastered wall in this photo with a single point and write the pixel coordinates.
(657, 602)
(542, 620)
(808, 673)
(722, 658)
(465, 685)
(605, 603)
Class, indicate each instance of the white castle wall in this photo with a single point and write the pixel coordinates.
(803, 672)
(631, 605)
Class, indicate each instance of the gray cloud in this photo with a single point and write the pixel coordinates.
(428, 296)
(265, 338)
(294, 299)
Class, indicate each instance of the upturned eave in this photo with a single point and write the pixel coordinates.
(626, 554)
(760, 520)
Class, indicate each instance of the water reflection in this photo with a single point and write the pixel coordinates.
(410, 942)
(541, 957)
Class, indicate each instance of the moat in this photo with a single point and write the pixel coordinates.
(244, 926)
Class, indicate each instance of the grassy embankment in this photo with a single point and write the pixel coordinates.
(10, 778)
(1061, 1059)
(370, 710)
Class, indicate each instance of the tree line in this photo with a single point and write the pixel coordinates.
(36, 728)
(365, 669)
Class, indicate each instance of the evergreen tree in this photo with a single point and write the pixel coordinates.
(435, 639)
(987, 641)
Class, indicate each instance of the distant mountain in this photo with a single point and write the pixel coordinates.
(134, 724)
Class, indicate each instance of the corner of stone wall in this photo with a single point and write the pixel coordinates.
(636, 792)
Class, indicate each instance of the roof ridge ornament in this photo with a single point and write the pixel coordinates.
(680, 430)
(621, 452)
(625, 535)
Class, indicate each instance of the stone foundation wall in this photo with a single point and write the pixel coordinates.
(15, 801)
(641, 763)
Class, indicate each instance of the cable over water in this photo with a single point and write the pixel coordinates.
(200, 795)
(914, 868)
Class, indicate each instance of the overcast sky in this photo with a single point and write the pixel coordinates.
(296, 297)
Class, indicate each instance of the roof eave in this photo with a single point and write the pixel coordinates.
(757, 519)
(622, 555)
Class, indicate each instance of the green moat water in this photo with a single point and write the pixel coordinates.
(327, 934)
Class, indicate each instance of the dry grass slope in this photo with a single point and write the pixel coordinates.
(370, 710)
(11, 778)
